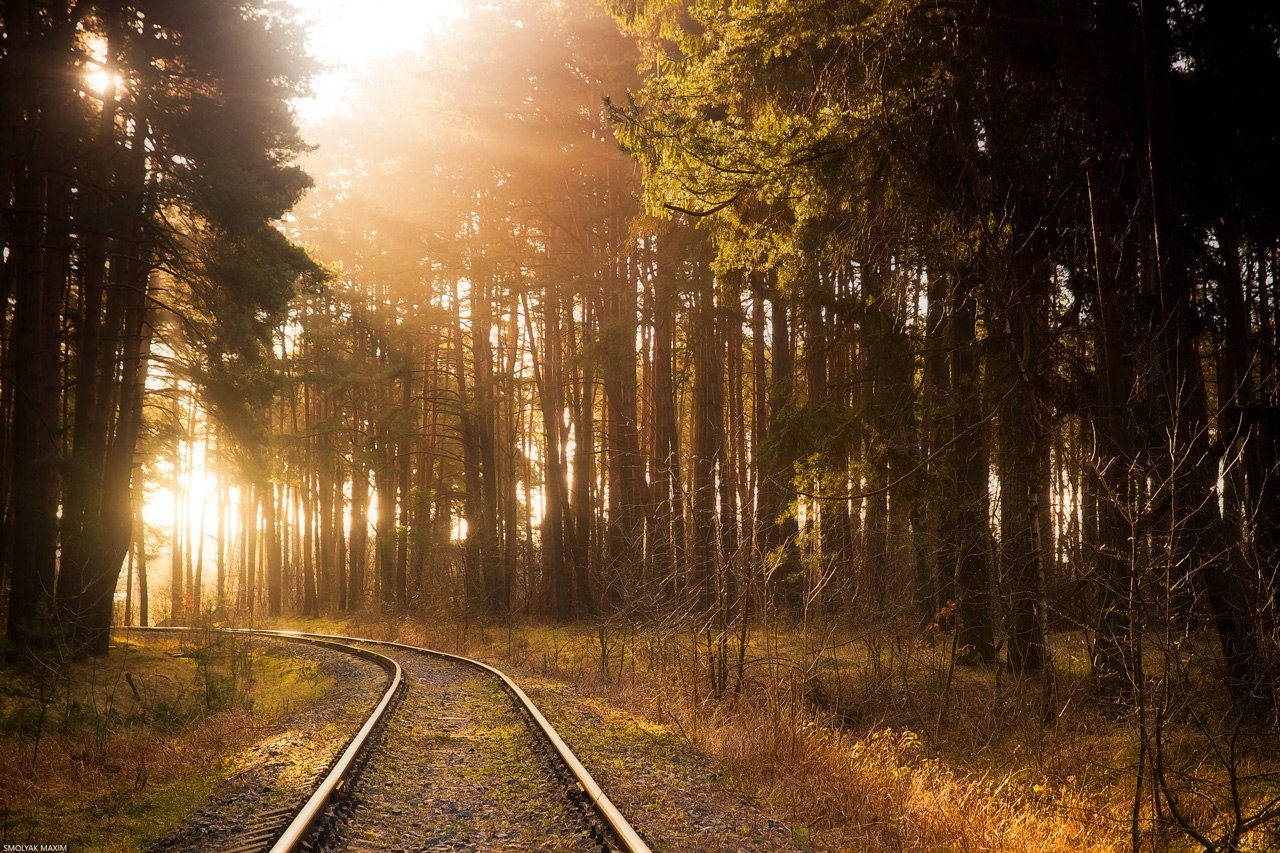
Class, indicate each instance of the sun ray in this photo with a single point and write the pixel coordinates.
(346, 36)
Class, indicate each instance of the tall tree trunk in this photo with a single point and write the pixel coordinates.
(273, 543)
(358, 538)
(975, 630)
(708, 444)
(776, 517)
(404, 462)
(1101, 119)
(493, 589)
(584, 472)
(1023, 458)
(384, 546)
(1200, 534)
(140, 557)
(935, 582)
(556, 518)
(39, 257)
(625, 466)
(666, 485)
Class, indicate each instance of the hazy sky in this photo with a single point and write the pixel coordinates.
(347, 34)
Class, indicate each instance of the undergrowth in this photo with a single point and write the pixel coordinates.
(875, 741)
(111, 753)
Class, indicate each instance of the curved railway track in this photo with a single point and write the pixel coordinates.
(319, 824)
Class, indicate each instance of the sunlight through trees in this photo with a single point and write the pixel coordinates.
(950, 319)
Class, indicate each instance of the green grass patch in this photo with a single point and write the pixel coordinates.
(113, 753)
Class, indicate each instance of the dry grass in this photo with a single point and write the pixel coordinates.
(110, 754)
(885, 790)
(873, 741)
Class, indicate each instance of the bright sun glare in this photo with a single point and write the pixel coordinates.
(347, 35)
(97, 78)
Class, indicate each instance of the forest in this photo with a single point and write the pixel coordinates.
(787, 336)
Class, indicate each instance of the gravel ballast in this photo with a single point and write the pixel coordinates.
(458, 768)
(275, 776)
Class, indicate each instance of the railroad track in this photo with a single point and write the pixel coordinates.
(340, 813)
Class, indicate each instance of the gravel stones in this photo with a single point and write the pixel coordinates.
(457, 768)
(673, 795)
(276, 775)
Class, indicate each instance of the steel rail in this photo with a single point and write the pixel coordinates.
(298, 830)
(314, 808)
(617, 824)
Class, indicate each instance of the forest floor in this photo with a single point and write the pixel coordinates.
(676, 796)
(819, 740)
(871, 741)
(116, 753)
